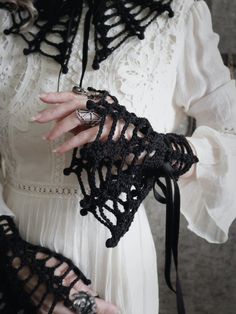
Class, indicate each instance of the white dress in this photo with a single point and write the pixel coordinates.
(176, 70)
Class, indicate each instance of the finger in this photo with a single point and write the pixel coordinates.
(79, 140)
(61, 309)
(60, 111)
(58, 97)
(79, 129)
(61, 97)
(68, 123)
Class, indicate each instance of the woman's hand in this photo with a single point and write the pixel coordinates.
(60, 308)
(62, 111)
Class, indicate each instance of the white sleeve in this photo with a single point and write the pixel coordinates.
(4, 210)
(205, 91)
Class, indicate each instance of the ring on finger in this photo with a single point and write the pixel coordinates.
(87, 117)
(91, 93)
(84, 303)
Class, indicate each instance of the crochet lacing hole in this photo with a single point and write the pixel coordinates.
(40, 256)
(134, 194)
(16, 262)
(24, 273)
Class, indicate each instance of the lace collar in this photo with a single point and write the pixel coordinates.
(62, 17)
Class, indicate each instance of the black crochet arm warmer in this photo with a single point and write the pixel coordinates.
(27, 279)
(114, 188)
(105, 175)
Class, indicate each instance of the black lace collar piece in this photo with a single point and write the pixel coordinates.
(62, 17)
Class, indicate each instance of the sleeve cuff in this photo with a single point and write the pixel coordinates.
(208, 200)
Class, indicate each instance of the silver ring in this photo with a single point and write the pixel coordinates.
(87, 117)
(84, 303)
(91, 94)
(78, 90)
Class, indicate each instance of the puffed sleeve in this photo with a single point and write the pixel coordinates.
(206, 92)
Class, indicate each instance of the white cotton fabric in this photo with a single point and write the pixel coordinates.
(176, 70)
(205, 91)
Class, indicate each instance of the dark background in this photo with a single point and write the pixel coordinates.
(207, 271)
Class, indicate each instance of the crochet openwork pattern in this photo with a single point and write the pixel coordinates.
(62, 18)
(116, 186)
(27, 280)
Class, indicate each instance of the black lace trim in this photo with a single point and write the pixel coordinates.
(63, 18)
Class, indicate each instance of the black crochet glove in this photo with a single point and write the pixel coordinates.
(113, 188)
(102, 166)
(25, 270)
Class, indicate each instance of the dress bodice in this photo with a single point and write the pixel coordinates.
(140, 73)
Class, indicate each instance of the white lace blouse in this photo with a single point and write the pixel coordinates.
(175, 71)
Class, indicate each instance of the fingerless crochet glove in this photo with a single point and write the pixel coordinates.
(102, 166)
(113, 189)
(24, 270)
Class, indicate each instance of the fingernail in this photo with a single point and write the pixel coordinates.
(44, 137)
(55, 150)
(35, 117)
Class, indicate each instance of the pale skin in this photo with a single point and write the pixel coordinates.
(61, 110)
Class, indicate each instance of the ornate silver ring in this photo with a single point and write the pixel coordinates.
(87, 117)
(84, 303)
(90, 93)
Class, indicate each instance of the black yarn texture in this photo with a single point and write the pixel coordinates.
(14, 296)
(62, 18)
(117, 187)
